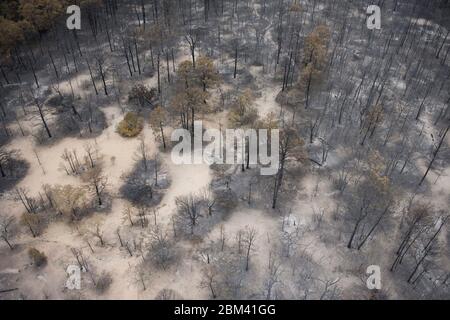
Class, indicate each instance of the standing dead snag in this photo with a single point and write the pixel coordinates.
(28, 202)
(92, 76)
(91, 154)
(98, 233)
(8, 229)
(162, 249)
(155, 215)
(119, 236)
(102, 74)
(157, 121)
(435, 153)
(239, 237)
(223, 237)
(7, 159)
(416, 224)
(289, 240)
(127, 246)
(370, 204)
(189, 211)
(141, 279)
(128, 214)
(192, 40)
(427, 249)
(78, 255)
(244, 115)
(209, 199)
(157, 163)
(290, 146)
(97, 183)
(71, 159)
(42, 115)
(139, 184)
(209, 280)
(142, 214)
(249, 238)
(142, 153)
(273, 276)
(83, 263)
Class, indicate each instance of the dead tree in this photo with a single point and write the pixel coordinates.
(91, 154)
(162, 248)
(428, 247)
(42, 115)
(98, 182)
(272, 277)
(290, 146)
(7, 158)
(192, 40)
(210, 280)
(142, 153)
(417, 223)
(128, 214)
(189, 211)
(435, 153)
(28, 202)
(8, 229)
(249, 243)
(98, 233)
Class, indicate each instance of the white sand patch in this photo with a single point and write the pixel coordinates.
(186, 179)
(118, 155)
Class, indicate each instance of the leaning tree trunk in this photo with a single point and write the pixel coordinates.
(8, 243)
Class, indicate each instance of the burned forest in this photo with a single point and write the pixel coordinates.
(225, 149)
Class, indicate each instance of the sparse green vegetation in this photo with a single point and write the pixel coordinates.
(131, 125)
